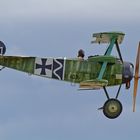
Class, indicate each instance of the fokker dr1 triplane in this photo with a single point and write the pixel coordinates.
(95, 72)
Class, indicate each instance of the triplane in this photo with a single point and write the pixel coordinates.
(96, 72)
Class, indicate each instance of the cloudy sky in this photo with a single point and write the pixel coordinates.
(35, 108)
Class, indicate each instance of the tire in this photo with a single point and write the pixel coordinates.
(112, 108)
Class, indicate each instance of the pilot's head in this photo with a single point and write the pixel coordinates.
(81, 53)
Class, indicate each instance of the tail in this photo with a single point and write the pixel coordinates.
(2, 52)
(2, 48)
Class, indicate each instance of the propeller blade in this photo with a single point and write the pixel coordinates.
(136, 78)
(135, 93)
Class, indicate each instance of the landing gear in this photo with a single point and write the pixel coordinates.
(112, 108)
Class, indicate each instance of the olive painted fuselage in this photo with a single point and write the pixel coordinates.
(84, 70)
(71, 70)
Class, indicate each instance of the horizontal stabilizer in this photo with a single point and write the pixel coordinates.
(106, 37)
(93, 84)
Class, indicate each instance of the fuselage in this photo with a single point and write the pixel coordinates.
(84, 70)
(116, 72)
(72, 70)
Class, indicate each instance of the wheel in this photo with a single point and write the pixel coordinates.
(112, 108)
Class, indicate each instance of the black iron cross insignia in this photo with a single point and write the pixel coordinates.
(43, 66)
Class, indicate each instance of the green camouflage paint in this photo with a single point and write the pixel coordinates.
(74, 70)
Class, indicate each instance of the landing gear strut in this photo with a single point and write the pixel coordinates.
(112, 108)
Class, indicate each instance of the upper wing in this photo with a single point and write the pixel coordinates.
(106, 37)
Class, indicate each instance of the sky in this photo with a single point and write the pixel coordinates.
(35, 108)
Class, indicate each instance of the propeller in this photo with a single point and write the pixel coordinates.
(136, 77)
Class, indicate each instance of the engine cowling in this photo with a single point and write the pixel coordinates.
(128, 69)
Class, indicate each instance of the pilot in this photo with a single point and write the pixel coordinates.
(81, 54)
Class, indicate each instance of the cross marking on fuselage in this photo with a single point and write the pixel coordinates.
(43, 67)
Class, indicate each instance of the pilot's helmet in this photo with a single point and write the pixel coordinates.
(81, 53)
